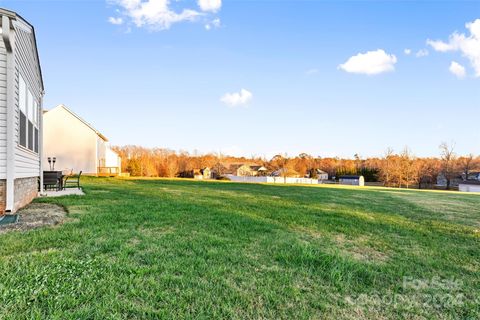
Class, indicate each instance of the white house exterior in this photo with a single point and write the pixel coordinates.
(469, 186)
(21, 95)
(76, 145)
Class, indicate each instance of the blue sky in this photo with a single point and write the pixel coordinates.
(158, 77)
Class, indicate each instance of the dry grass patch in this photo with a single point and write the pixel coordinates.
(37, 215)
(156, 232)
(360, 249)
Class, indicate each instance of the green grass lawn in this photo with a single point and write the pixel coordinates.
(148, 249)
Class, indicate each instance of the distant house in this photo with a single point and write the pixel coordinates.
(469, 186)
(21, 94)
(76, 145)
(218, 170)
(199, 174)
(442, 181)
(286, 173)
(206, 173)
(202, 174)
(472, 176)
(236, 169)
(322, 175)
(259, 170)
(243, 170)
(352, 180)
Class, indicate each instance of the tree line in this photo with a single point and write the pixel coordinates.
(393, 169)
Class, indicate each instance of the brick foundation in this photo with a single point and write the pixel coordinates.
(3, 195)
(25, 190)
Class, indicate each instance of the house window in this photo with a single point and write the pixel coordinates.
(28, 128)
(22, 101)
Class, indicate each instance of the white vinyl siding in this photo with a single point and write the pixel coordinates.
(28, 127)
(27, 162)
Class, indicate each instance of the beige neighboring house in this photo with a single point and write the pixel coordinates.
(202, 174)
(258, 170)
(243, 170)
(76, 145)
(322, 175)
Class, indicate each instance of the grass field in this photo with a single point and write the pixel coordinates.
(147, 249)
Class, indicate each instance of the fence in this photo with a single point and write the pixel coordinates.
(287, 180)
(108, 171)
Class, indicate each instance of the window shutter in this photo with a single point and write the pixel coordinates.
(23, 130)
(36, 140)
(30, 135)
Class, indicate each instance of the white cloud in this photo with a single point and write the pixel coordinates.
(439, 45)
(311, 72)
(237, 99)
(210, 5)
(407, 51)
(116, 21)
(154, 14)
(457, 69)
(422, 53)
(215, 23)
(371, 62)
(468, 46)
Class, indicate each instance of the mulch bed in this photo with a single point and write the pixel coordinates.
(36, 215)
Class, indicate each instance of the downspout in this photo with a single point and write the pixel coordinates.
(96, 155)
(40, 142)
(10, 183)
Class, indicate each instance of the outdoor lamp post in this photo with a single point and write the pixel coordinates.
(53, 161)
(49, 163)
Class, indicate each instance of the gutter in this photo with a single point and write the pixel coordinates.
(10, 183)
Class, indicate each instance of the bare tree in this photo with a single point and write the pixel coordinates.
(387, 167)
(408, 169)
(467, 163)
(219, 169)
(358, 162)
(428, 170)
(280, 163)
(305, 164)
(448, 158)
